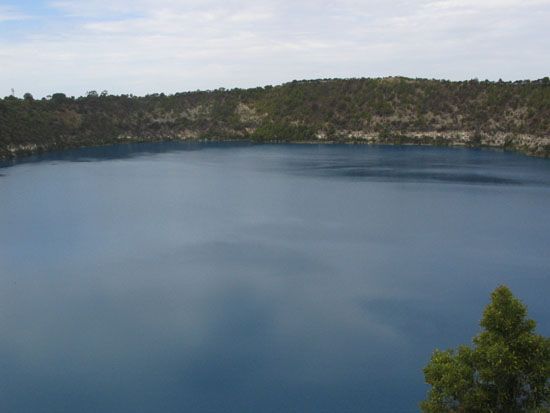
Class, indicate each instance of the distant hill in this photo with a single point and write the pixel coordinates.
(395, 110)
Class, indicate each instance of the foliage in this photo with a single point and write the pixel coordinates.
(506, 370)
(277, 131)
(299, 110)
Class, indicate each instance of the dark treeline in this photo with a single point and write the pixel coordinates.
(329, 109)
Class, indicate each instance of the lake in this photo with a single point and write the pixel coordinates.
(202, 277)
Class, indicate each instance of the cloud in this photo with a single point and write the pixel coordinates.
(143, 46)
(486, 4)
(10, 14)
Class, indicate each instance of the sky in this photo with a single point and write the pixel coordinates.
(153, 46)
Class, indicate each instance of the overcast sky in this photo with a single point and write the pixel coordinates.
(147, 46)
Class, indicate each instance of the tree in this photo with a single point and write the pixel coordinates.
(506, 370)
(58, 98)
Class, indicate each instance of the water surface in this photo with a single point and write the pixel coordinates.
(270, 278)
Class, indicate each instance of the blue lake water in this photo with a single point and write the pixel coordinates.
(272, 278)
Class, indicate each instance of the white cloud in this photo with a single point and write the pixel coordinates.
(10, 13)
(485, 4)
(140, 46)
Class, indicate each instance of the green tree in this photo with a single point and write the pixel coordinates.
(507, 369)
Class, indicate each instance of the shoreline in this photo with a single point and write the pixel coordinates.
(529, 145)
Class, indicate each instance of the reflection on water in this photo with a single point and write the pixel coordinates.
(240, 278)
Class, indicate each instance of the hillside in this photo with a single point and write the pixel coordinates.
(508, 115)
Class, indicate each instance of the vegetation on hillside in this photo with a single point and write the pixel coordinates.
(330, 109)
(507, 370)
